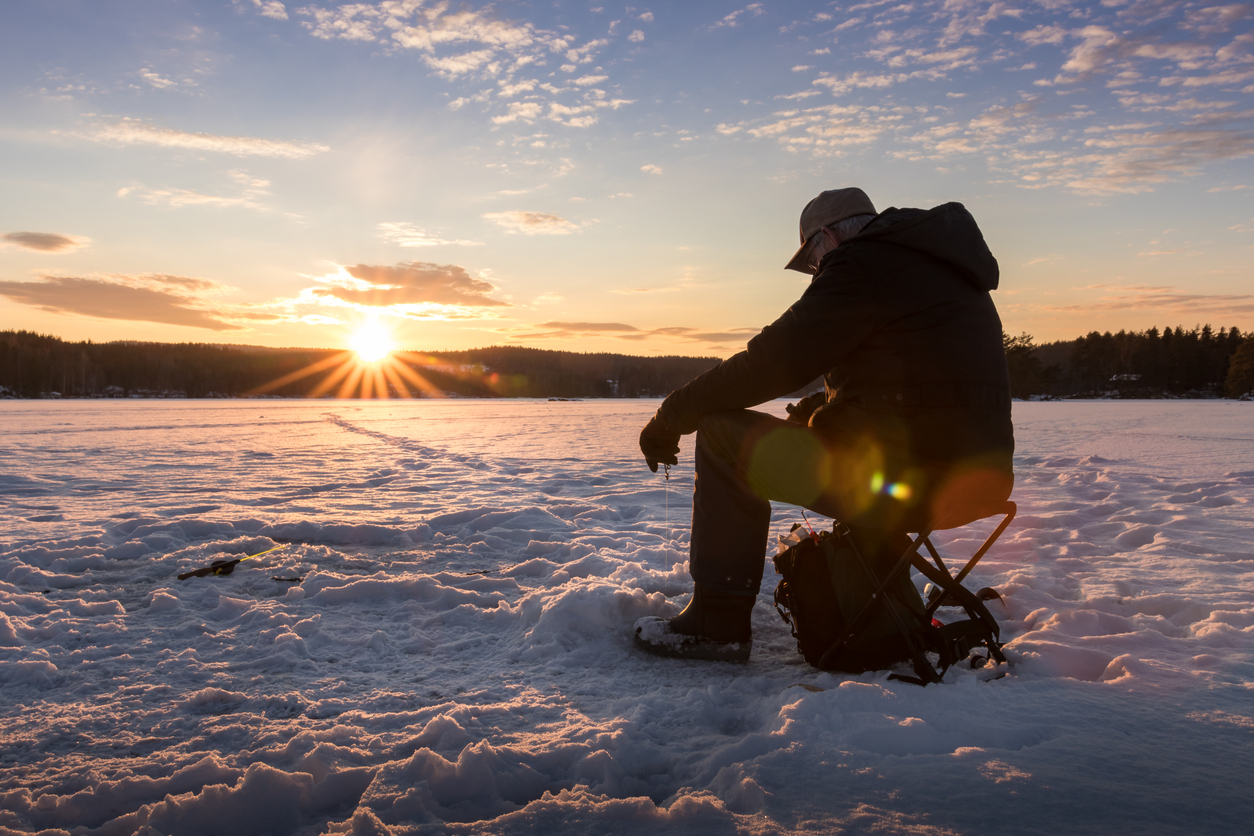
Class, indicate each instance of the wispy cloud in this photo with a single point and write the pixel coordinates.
(1165, 299)
(251, 192)
(407, 235)
(736, 18)
(532, 223)
(468, 46)
(840, 85)
(623, 331)
(135, 132)
(825, 130)
(157, 80)
(44, 242)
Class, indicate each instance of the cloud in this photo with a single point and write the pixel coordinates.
(623, 331)
(407, 235)
(1136, 159)
(970, 18)
(651, 169)
(414, 26)
(1168, 299)
(44, 242)
(735, 335)
(169, 300)
(134, 132)
(532, 223)
(271, 8)
(858, 79)
(455, 65)
(157, 80)
(583, 54)
(251, 189)
(733, 19)
(408, 283)
(1043, 35)
(589, 327)
(583, 115)
(1231, 76)
(526, 111)
(792, 97)
(824, 130)
(510, 89)
(462, 44)
(627, 290)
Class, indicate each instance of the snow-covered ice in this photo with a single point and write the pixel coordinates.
(458, 655)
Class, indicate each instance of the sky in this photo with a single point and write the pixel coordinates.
(597, 177)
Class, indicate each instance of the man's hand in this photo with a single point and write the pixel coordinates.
(659, 443)
(801, 412)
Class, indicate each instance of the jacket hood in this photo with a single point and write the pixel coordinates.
(947, 232)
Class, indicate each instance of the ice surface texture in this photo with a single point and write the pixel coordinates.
(458, 657)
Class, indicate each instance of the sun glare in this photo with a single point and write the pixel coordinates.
(373, 366)
(372, 343)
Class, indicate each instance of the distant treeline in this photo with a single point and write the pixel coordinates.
(1201, 362)
(34, 366)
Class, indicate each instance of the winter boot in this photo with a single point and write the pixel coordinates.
(715, 626)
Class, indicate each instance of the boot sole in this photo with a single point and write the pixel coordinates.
(662, 642)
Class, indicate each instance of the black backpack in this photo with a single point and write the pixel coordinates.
(846, 619)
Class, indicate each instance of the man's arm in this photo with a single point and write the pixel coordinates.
(831, 319)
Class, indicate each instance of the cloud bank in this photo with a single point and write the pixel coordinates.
(169, 300)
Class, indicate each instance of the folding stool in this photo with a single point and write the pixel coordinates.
(952, 642)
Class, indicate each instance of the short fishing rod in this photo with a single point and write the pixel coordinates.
(225, 567)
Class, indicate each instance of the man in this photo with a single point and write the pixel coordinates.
(915, 416)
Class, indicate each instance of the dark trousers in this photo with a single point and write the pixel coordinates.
(744, 459)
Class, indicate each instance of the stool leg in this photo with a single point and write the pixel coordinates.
(921, 666)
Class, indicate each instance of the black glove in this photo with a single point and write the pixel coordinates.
(800, 412)
(659, 443)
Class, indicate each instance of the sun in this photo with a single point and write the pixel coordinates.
(372, 366)
(372, 342)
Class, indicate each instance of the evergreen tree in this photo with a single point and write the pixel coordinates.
(1240, 378)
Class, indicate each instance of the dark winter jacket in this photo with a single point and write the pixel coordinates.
(900, 323)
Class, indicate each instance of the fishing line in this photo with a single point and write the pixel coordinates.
(666, 490)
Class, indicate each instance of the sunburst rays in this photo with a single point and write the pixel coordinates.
(347, 374)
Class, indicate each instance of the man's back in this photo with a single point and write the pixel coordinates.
(930, 356)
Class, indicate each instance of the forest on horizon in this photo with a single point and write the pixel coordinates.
(1200, 362)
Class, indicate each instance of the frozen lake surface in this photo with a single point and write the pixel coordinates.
(458, 655)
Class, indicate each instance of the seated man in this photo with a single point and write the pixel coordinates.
(915, 416)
